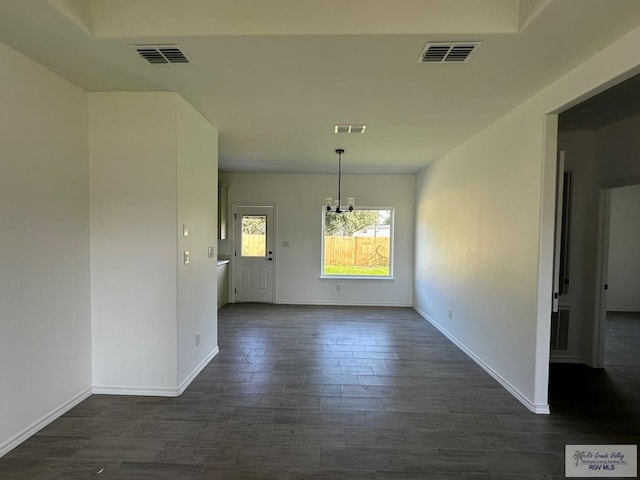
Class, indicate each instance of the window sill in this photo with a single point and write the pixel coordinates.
(354, 277)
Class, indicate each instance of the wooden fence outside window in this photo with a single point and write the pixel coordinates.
(356, 251)
(343, 251)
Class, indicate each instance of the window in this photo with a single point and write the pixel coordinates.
(358, 243)
(254, 236)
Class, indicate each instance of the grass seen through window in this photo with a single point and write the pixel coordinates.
(355, 270)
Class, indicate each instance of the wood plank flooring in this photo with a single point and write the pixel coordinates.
(302, 392)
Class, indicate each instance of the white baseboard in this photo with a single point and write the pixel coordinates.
(39, 424)
(532, 406)
(134, 390)
(183, 386)
(343, 304)
(556, 359)
(155, 391)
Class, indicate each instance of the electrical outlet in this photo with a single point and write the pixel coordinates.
(450, 314)
(337, 288)
(185, 230)
(210, 252)
(197, 339)
(186, 257)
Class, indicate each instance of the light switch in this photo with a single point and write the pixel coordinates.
(185, 230)
(186, 257)
(210, 252)
(285, 243)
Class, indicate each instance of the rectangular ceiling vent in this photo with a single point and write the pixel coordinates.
(161, 54)
(350, 128)
(449, 52)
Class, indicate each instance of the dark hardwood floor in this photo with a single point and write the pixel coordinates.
(301, 392)
(605, 400)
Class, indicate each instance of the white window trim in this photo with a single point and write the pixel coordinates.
(324, 276)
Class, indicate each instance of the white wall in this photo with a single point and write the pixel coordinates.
(484, 231)
(618, 152)
(477, 246)
(45, 328)
(134, 240)
(624, 250)
(153, 169)
(299, 221)
(197, 160)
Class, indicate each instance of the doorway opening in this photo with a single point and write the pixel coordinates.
(620, 275)
(595, 368)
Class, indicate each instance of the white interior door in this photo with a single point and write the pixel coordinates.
(564, 340)
(558, 240)
(599, 333)
(254, 257)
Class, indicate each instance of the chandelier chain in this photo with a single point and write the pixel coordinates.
(350, 201)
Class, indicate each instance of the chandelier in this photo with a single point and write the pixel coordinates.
(336, 206)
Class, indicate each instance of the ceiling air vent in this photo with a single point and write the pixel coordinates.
(458, 52)
(161, 54)
(348, 128)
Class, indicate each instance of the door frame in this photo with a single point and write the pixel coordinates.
(235, 245)
(599, 325)
(555, 305)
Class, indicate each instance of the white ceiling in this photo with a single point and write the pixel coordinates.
(275, 76)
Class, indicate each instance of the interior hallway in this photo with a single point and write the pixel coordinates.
(304, 392)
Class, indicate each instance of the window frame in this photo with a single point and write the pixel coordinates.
(329, 276)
